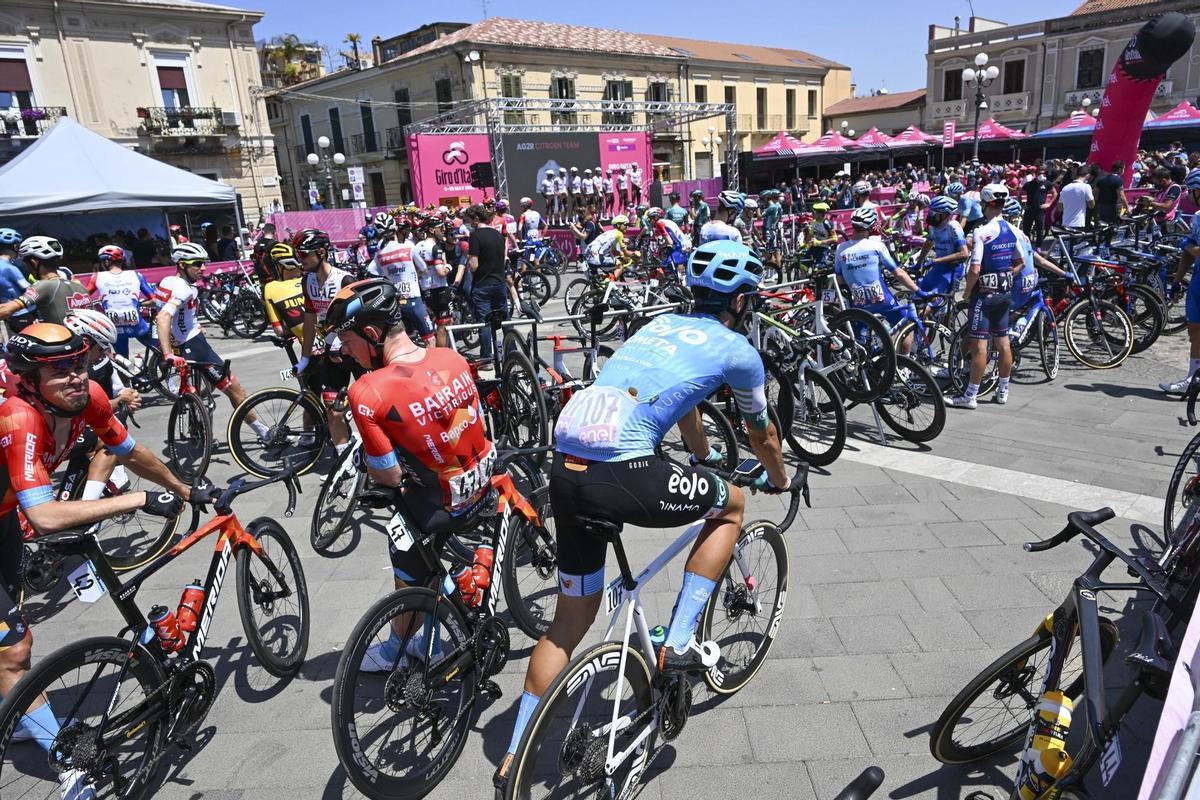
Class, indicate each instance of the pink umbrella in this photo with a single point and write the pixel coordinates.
(873, 140)
(783, 144)
(1180, 116)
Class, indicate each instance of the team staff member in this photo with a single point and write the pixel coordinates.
(489, 290)
(53, 295)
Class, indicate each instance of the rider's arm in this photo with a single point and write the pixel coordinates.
(975, 267)
(383, 466)
(30, 299)
(691, 428)
(906, 279)
(747, 379)
(162, 321)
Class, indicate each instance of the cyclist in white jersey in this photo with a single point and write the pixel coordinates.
(729, 206)
(397, 260)
(120, 293)
(177, 323)
(436, 285)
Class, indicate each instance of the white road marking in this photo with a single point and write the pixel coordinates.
(1081, 496)
(251, 351)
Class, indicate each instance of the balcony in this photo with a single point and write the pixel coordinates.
(1074, 99)
(760, 123)
(29, 123)
(360, 143)
(187, 121)
(396, 139)
(999, 105)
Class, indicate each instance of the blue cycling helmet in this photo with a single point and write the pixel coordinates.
(1192, 181)
(724, 266)
(731, 199)
(943, 205)
(9, 236)
(956, 189)
(1012, 207)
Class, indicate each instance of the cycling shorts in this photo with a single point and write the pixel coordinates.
(425, 511)
(677, 258)
(646, 492)
(771, 240)
(988, 315)
(437, 300)
(327, 374)
(1192, 305)
(199, 351)
(940, 278)
(141, 332)
(412, 311)
(13, 627)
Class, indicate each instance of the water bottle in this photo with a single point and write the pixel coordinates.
(465, 581)
(1045, 759)
(190, 604)
(481, 571)
(658, 635)
(166, 626)
(1019, 328)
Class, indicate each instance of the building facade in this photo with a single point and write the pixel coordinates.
(890, 112)
(428, 71)
(1047, 68)
(169, 78)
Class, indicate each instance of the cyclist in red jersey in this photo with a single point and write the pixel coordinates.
(54, 401)
(419, 417)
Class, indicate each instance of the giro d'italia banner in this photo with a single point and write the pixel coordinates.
(1130, 88)
(440, 165)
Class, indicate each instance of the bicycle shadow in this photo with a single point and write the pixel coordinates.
(235, 662)
(48, 604)
(1119, 392)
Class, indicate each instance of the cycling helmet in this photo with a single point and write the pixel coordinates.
(382, 219)
(93, 325)
(1012, 207)
(922, 200)
(862, 187)
(865, 218)
(43, 343)
(65, 274)
(111, 252)
(310, 240)
(285, 256)
(820, 208)
(9, 236)
(654, 212)
(943, 205)
(750, 204)
(502, 204)
(955, 189)
(724, 266)
(620, 219)
(697, 193)
(587, 171)
(527, 202)
(1192, 181)
(41, 247)
(574, 169)
(994, 193)
(188, 251)
(562, 170)
(731, 199)
(362, 305)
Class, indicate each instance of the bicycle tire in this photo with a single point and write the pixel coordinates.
(159, 373)
(1187, 462)
(531, 552)
(959, 367)
(189, 422)
(253, 456)
(336, 502)
(1146, 311)
(716, 425)
(913, 388)
(941, 739)
(821, 416)
(582, 672)
(1049, 346)
(249, 317)
(272, 536)
(734, 593)
(880, 357)
(534, 286)
(778, 390)
(522, 404)
(352, 752)
(1118, 348)
(123, 559)
(932, 355)
(576, 289)
(86, 658)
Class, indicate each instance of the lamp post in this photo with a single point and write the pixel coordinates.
(712, 143)
(982, 77)
(329, 161)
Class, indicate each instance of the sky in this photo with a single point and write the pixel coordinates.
(882, 41)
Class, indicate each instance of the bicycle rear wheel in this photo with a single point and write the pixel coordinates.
(249, 316)
(1048, 345)
(1098, 334)
(864, 341)
(296, 433)
(335, 503)
(914, 406)
(274, 612)
(189, 438)
(818, 430)
(133, 539)
(523, 420)
(530, 568)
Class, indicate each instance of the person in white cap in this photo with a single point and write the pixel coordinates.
(589, 189)
(576, 192)
(621, 201)
(546, 190)
(598, 190)
(635, 183)
(608, 193)
(560, 191)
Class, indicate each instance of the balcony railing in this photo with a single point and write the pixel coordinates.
(196, 144)
(760, 122)
(360, 143)
(999, 105)
(1074, 99)
(396, 139)
(185, 121)
(29, 122)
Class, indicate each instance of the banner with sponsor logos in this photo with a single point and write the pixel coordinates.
(441, 167)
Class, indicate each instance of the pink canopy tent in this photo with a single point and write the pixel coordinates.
(873, 140)
(914, 135)
(782, 144)
(1080, 122)
(1180, 116)
(831, 142)
(989, 131)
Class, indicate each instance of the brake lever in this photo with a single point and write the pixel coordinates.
(292, 490)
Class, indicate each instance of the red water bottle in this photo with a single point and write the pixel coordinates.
(465, 582)
(190, 604)
(166, 626)
(482, 569)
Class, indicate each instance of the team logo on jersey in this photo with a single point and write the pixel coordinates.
(78, 300)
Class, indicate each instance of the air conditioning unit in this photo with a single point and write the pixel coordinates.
(231, 119)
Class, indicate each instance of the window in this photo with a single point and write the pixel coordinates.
(658, 92)
(743, 57)
(378, 193)
(812, 102)
(172, 82)
(403, 110)
(368, 123)
(617, 91)
(510, 86)
(16, 91)
(790, 124)
(731, 95)
(563, 89)
(306, 133)
(952, 84)
(1014, 76)
(700, 93)
(760, 104)
(1090, 72)
(445, 94)
(335, 130)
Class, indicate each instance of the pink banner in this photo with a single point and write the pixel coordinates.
(623, 150)
(441, 167)
(948, 135)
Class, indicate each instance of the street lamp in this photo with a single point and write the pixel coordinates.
(712, 143)
(330, 161)
(982, 77)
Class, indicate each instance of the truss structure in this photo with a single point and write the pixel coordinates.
(503, 116)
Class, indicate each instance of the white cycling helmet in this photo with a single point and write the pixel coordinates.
(385, 223)
(93, 325)
(41, 247)
(526, 201)
(750, 204)
(864, 218)
(993, 193)
(862, 187)
(188, 251)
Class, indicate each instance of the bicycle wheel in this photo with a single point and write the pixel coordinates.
(720, 434)
(562, 752)
(189, 438)
(249, 316)
(1098, 333)
(160, 375)
(1183, 487)
(575, 289)
(136, 538)
(273, 608)
(530, 569)
(87, 682)
(1008, 689)
(336, 502)
(744, 611)
(1145, 310)
(397, 732)
(296, 433)
(534, 287)
(866, 345)
(818, 430)
(960, 366)
(1048, 345)
(913, 407)
(934, 352)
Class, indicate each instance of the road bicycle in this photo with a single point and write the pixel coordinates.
(127, 699)
(189, 445)
(233, 300)
(1098, 333)
(446, 648)
(513, 403)
(595, 729)
(1004, 704)
(1034, 322)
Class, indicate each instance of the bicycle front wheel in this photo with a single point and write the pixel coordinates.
(273, 603)
(189, 438)
(717, 429)
(249, 316)
(136, 538)
(531, 568)
(86, 683)
(335, 503)
(1048, 345)
(914, 406)
(296, 432)
(562, 753)
(865, 343)
(818, 430)
(1098, 334)
(523, 420)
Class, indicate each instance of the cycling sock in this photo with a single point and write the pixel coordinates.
(692, 597)
(524, 712)
(93, 490)
(259, 427)
(42, 725)
(1003, 387)
(972, 390)
(119, 477)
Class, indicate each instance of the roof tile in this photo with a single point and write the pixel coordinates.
(1096, 6)
(877, 102)
(530, 33)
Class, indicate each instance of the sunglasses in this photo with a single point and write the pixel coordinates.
(68, 366)
(192, 262)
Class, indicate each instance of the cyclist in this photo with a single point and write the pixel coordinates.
(576, 189)
(909, 220)
(744, 222)
(860, 192)
(325, 369)
(284, 296)
(546, 190)
(860, 264)
(949, 245)
(970, 214)
(530, 226)
(560, 198)
(588, 185)
(676, 213)
(12, 282)
(605, 462)
(699, 209)
(607, 252)
(54, 404)
(418, 412)
(772, 234)
(729, 206)
(121, 294)
(674, 240)
(995, 258)
(1026, 282)
(53, 294)
(397, 260)
(819, 234)
(609, 198)
(435, 283)
(1191, 250)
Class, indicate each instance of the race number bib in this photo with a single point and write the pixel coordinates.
(867, 294)
(465, 487)
(1029, 282)
(86, 584)
(596, 415)
(123, 317)
(829, 296)
(995, 281)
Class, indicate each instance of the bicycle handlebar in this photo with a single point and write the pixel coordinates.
(239, 486)
(797, 487)
(863, 786)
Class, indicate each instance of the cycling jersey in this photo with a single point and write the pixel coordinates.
(658, 375)
(995, 248)
(284, 302)
(969, 209)
(604, 248)
(120, 295)
(529, 226)
(861, 264)
(677, 214)
(398, 262)
(608, 186)
(12, 282)
(425, 417)
(701, 215)
(716, 229)
(547, 186)
(947, 238)
(576, 184)
(772, 216)
(318, 294)
(178, 299)
(54, 298)
(669, 230)
(433, 256)
(1027, 281)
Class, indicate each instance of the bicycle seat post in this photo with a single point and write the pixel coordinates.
(627, 580)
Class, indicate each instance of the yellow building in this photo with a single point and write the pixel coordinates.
(439, 66)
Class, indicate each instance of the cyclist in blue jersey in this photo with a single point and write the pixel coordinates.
(12, 282)
(699, 211)
(969, 210)
(120, 295)
(949, 246)
(729, 208)
(860, 264)
(1026, 283)
(995, 259)
(606, 463)
(675, 212)
(1191, 250)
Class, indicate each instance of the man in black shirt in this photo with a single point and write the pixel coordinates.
(485, 259)
(143, 249)
(1110, 194)
(1036, 189)
(227, 249)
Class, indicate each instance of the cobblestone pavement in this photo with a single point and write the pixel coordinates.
(903, 586)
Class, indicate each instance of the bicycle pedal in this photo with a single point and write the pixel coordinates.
(491, 689)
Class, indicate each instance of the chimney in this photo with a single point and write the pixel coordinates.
(375, 40)
(853, 89)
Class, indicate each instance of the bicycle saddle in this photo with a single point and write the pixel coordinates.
(68, 542)
(604, 529)
(1154, 652)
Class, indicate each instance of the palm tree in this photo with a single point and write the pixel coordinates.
(286, 50)
(353, 39)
